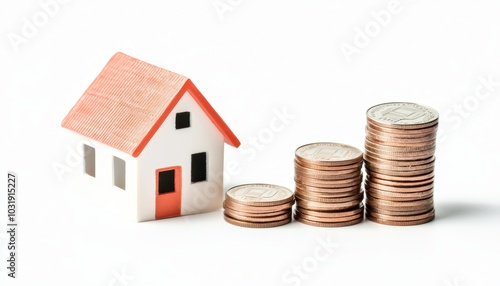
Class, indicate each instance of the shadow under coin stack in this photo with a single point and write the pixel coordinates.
(258, 205)
(399, 161)
(328, 185)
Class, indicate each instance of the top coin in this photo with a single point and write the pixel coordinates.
(403, 115)
(329, 154)
(259, 195)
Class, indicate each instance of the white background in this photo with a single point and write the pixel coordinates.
(253, 60)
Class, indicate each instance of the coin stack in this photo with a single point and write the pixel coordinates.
(399, 161)
(258, 205)
(328, 185)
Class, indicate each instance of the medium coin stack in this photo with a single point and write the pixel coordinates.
(399, 161)
(328, 185)
(258, 205)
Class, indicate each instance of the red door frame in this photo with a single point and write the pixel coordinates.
(169, 204)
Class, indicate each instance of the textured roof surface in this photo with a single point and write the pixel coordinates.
(128, 102)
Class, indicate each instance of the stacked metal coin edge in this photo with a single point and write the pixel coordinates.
(258, 205)
(399, 160)
(328, 181)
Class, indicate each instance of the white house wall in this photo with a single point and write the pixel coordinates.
(100, 189)
(171, 147)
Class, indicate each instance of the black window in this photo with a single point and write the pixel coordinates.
(166, 182)
(182, 120)
(198, 167)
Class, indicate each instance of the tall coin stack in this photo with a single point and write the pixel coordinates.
(258, 205)
(328, 185)
(399, 161)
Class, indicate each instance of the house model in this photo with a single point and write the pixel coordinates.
(154, 146)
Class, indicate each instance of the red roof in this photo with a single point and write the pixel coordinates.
(128, 102)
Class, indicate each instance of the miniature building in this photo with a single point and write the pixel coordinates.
(156, 146)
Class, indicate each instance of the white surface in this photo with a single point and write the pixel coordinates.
(170, 147)
(261, 59)
(100, 190)
(138, 201)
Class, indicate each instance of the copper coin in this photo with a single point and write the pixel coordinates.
(326, 194)
(391, 138)
(329, 177)
(405, 171)
(402, 210)
(356, 184)
(400, 135)
(328, 183)
(328, 224)
(374, 160)
(400, 213)
(401, 217)
(309, 171)
(327, 206)
(328, 154)
(370, 185)
(402, 149)
(377, 154)
(400, 223)
(386, 203)
(258, 219)
(256, 224)
(398, 208)
(399, 173)
(393, 183)
(330, 214)
(334, 190)
(401, 168)
(257, 214)
(259, 195)
(328, 219)
(400, 157)
(354, 166)
(416, 131)
(400, 197)
(401, 144)
(415, 178)
(402, 115)
(399, 151)
(397, 199)
(374, 186)
(359, 197)
(397, 156)
(256, 209)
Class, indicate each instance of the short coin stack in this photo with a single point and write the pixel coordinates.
(328, 185)
(399, 161)
(258, 205)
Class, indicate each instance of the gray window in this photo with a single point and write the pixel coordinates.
(89, 160)
(119, 172)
